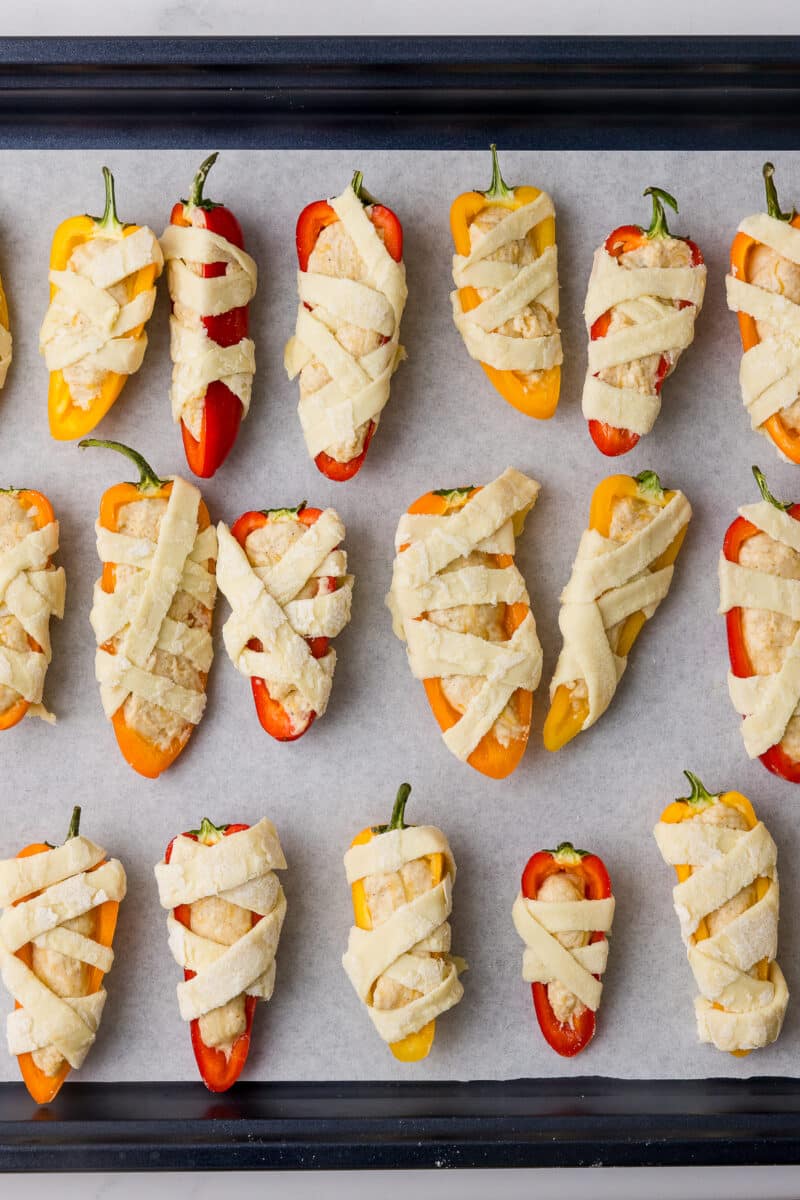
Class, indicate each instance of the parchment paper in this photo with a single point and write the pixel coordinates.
(444, 426)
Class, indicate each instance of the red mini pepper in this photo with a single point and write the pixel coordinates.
(271, 713)
(567, 1040)
(218, 1071)
(775, 759)
(608, 439)
(222, 409)
(310, 223)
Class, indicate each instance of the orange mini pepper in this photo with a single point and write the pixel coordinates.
(44, 1088)
(567, 713)
(742, 247)
(67, 419)
(686, 809)
(43, 514)
(414, 1046)
(145, 757)
(539, 399)
(5, 336)
(490, 756)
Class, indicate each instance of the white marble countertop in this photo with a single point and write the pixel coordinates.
(412, 17)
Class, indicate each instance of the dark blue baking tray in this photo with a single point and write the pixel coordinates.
(555, 93)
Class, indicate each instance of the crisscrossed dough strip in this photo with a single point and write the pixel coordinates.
(137, 611)
(545, 960)
(263, 606)
(197, 360)
(359, 387)
(769, 375)
(6, 343)
(516, 288)
(486, 520)
(767, 702)
(239, 869)
(33, 592)
(609, 582)
(85, 324)
(647, 295)
(70, 880)
(724, 861)
(412, 945)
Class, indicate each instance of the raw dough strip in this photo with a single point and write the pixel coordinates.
(70, 880)
(239, 869)
(263, 606)
(545, 960)
(418, 586)
(33, 592)
(735, 1010)
(767, 702)
(517, 287)
(609, 582)
(646, 294)
(769, 375)
(85, 324)
(197, 359)
(412, 946)
(359, 387)
(137, 612)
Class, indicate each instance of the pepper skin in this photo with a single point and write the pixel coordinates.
(69, 420)
(541, 398)
(691, 806)
(312, 220)
(742, 247)
(145, 757)
(415, 1046)
(566, 716)
(218, 1072)
(271, 713)
(43, 515)
(567, 1040)
(775, 759)
(222, 410)
(608, 439)
(489, 757)
(44, 1088)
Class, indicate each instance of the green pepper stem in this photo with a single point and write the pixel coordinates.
(397, 820)
(196, 199)
(773, 207)
(781, 505)
(208, 831)
(699, 793)
(498, 189)
(109, 219)
(280, 512)
(658, 225)
(148, 480)
(357, 184)
(74, 823)
(650, 483)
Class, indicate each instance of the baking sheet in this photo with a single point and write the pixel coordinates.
(444, 426)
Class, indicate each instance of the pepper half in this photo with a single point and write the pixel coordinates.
(67, 419)
(775, 759)
(273, 716)
(490, 756)
(567, 715)
(222, 409)
(218, 1071)
(691, 806)
(312, 220)
(608, 439)
(44, 1088)
(570, 1038)
(539, 399)
(145, 757)
(42, 511)
(414, 1046)
(742, 247)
